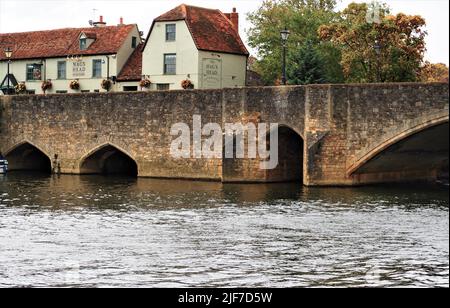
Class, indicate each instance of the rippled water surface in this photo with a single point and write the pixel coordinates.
(97, 231)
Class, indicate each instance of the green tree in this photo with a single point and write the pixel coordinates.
(389, 49)
(306, 66)
(303, 18)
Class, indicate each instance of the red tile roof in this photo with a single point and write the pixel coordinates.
(210, 29)
(132, 70)
(64, 42)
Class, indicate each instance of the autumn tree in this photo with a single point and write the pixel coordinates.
(388, 49)
(434, 72)
(303, 18)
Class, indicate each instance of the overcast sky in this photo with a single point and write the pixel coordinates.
(29, 15)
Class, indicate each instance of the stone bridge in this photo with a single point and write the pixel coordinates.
(329, 134)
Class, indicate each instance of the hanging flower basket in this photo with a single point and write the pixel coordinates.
(46, 85)
(145, 83)
(20, 88)
(187, 84)
(74, 85)
(106, 84)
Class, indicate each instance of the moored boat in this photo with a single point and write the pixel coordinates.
(3, 166)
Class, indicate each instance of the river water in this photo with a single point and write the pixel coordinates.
(95, 231)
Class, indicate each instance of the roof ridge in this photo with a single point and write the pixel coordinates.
(66, 29)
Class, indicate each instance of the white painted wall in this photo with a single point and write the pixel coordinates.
(232, 70)
(184, 47)
(198, 66)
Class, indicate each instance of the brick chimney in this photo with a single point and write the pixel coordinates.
(100, 23)
(121, 21)
(234, 18)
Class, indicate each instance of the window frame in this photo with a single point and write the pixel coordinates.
(174, 33)
(83, 43)
(100, 75)
(166, 86)
(165, 64)
(60, 77)
(40, 65)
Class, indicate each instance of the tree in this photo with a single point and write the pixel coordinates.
(306, 66)
(400, 40)
(434, 72)
(303, 18)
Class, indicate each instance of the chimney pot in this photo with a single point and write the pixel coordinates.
(101, 18)
(234, 18)
(121, 20)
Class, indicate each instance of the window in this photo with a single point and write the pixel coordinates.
(97, 91)
(130, 88)
(133, 42)
(163, 86)
(83, 43)
(62, 70)
(34, 71)
(61, 91)
(170, 64)
(85, 91)
(171, 31)
(31, 92)
(97, 68)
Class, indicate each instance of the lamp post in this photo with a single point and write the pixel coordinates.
(8, 54)
(377, 48)
(284, 37)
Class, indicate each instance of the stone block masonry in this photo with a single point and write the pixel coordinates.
(329, 134)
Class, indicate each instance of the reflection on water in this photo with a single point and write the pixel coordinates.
(98, 231)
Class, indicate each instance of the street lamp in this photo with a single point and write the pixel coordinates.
(8, 54)
(284, 37)
(377, 48)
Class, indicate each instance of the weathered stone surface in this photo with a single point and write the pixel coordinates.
(343, 128)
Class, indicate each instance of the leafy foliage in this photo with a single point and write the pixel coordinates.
(401, 41)
(306, 66)
(303, 18)
(434, 72)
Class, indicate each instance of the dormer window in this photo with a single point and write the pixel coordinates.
(83, 43)
(86, 39)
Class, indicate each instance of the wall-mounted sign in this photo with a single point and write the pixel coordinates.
(212, 73)
(79, 69)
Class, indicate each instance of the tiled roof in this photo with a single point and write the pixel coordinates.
(64, 42)
(210, 29)
(132, 70)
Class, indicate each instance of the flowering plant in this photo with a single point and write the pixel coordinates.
(74, 85)
(46, 85)
(145, 83)
(20, 88)
(187, 84)
(106, 84)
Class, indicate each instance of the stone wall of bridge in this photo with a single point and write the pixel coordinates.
(331, 134)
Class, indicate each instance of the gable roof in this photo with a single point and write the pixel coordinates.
(132, 70)
(64, 42)
(211, 30)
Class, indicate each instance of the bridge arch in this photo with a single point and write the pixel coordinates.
(26, 156)
(288, 169)
(417, 152)
(108, 159)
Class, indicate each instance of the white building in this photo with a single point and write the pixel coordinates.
(88, 55)
(190, 43)
(197, 44)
